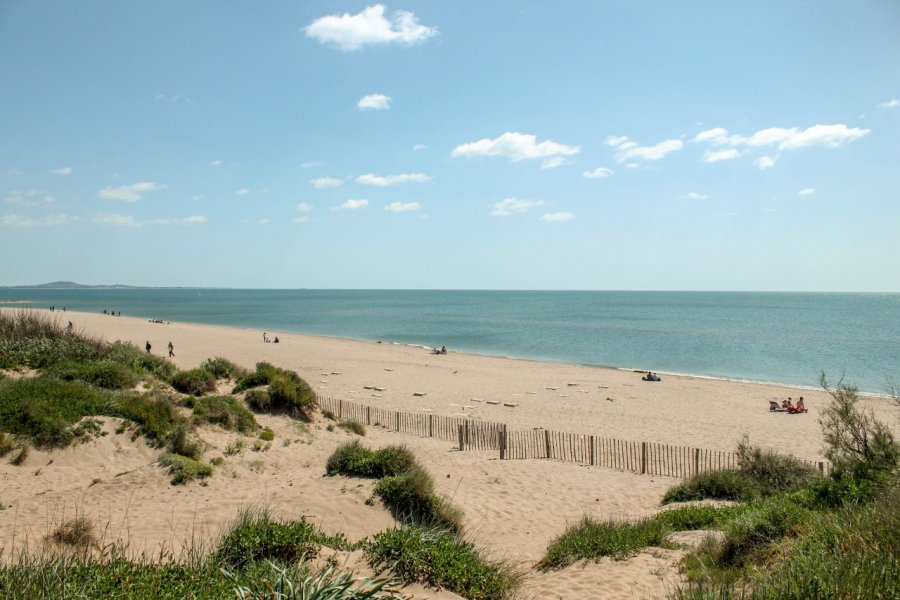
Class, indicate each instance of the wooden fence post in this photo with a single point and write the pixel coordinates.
(696, 460)
(340, 409)
(591, 450)
(430, 426)
(368, 415)
(468, 439)
(821, 467)
(460, 437)
(643, 458)
(547, 441)
(503, 442)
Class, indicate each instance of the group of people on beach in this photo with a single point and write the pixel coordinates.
(267, 339)
(651, 376)
(171, 348)
(443, 350)
(111, 313)
(155, 321)
(787, 406)
(53, 309)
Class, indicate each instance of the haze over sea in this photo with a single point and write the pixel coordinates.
(774, 337)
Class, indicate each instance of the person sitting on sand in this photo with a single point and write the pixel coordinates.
(651, 377)
(443, 349)
(800, 408)
(275, 341)
(787, 404)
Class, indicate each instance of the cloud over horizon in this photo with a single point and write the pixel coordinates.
(386, 180)
(791, 138)
(351, 32)
(627, 149)
(513, 205)
(352, 205)
(130, 193)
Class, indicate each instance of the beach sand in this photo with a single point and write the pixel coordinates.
(513, 508)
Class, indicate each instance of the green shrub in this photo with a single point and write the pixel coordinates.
(330, 584)
(262, 375)
(288, 392)
(223, 368)
(411, 499)
(439, 559)
(184, 469)
(258, 400)
(691, 518)
(36, 340)
(21, 456)
(591, 540)
(353, 427)
(760, 524)
(105, 374)
(45, 410)
(727, 484)
(267, 435)
(155, 415)
(136, 359)
(182, 445)
(225, 411)
(771, 472)
(255, 536)
(357, 460)
(195, 382)
(6, 444)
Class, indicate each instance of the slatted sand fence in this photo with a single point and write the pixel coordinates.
(649, 458)
(469, 434)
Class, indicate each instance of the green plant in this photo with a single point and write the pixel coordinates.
(296, 583)
(353, 427)
(105, 373)
(591, 540)
(6, 444)
(136, 359)
(411, 499)
(437, 558)
(184, 469)
(267, 435)
(354, 459)
(20, 457)
(216, 461)
(727, 484)
(223, 368)
(258, 400)
(195, 382)
(225, 411)
(154, 414)
(234, 447)
(287, 392)
(857, 444)
(256, 536)
(182, 445)
(32, 339)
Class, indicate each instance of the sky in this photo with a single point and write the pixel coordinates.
(583, 145)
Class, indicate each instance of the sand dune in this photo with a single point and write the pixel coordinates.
(513, 509)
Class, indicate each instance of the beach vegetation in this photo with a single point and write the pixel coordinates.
(77, 532)
(411, 499)
(356, 460)
(267, 434)
(35, 340)
(133, 357)
(441, 559)
(353, 427)
(195, 382)
(6, 444)
(590, 540)
(222, 368)
(182, 444)
(287, 391)
(256, 535)
(21, 455)
(105, 374)
(234, 447)
(225, 411)
(184, 469)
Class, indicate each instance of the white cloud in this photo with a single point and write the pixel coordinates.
(558, 216)
(326, 182)
(385, 180)
(303, 219)
(30, 198)
(117, 220)
(515, 147)
(418, 147)
(806, 192)
(374, 102)
(696, 196)
(830, 136)
(311, 164)
(352, 205)
(598, 173)
(14, 221)
(892, 103)
(370, 26)
(717, 155)
(216, 163)
(556, 161)
(304, 207)
(130, 193)
(512, 206)
(398, 207)
(242, 192)
(63, 171)
(765, 162)
(628, 150)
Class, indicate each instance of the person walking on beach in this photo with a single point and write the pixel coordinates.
(265, 338)
(171, 350)
(147, 346)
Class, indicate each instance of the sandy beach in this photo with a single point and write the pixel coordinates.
(513, 508)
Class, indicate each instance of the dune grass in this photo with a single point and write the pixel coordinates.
(226, 412)
(356, 460)
(195, 382)
(287, 391)
(441, 559)
(223, 368)
(184, 469)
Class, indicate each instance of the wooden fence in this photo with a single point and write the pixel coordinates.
(648, 458)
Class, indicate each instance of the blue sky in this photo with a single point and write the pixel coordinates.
(470, 145)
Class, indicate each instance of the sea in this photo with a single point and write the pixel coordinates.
(785, 338)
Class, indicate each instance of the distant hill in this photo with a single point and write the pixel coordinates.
(66, 285)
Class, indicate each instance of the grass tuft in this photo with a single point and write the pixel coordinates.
(591, 540)
(184, 469)
(195, 382)
(225, 411)
(77, 532)
(357, 460)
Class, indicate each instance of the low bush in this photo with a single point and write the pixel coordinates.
(357, 460)
(759, 525)
(439, 559)
(411, 499)
(353, 427)
(727, 484)
(154, 415)
(771, 472)
(32, 339)
(223, 368)
(287, 392)
(6, 444)
(21, 455)
(692, 518)
(184, 469)
(225, 411)
(591, 540)
(256, 536)
(136, 359)
(105, 374)
(267, 435)
(182, 444)
(77, 532)
(195, 382)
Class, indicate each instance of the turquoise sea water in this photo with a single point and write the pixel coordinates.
(778, 337)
